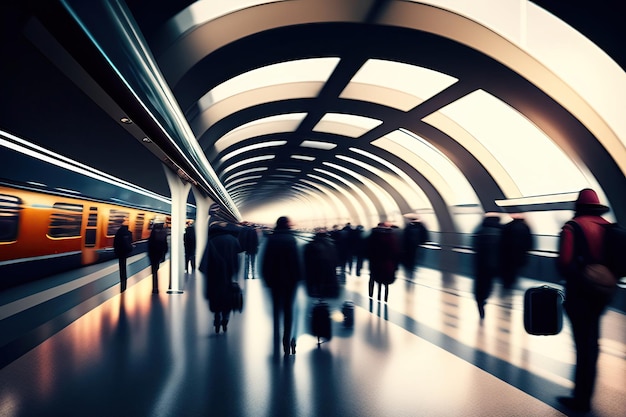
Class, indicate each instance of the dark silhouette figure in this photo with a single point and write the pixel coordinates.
(249, 240)
(384, 252)
(157, 248)
(123, 246)
(189, 242)
(516, 242)
(346, 250)
(583, 306)
(220, 264)
(281, 270)
(414, 235)
(486, 243)
(360, 248)
(320, 266)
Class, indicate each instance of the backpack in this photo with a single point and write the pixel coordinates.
(597, 275)
(615, 249)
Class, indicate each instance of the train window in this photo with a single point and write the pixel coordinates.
(9, 217)
(91, 229)
(116, 218)
(139, 226)
(66, 220)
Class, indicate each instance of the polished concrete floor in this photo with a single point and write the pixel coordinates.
(80, 348)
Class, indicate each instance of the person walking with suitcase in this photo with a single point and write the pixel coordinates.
(282, 269)
(583, 305)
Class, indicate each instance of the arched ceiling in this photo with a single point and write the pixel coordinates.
(352, 110)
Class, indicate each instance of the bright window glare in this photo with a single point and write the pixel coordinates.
(515, 143)
(247, 161)
(249, 148)
(318, 145)
(268, 125)
(395, 84)
(431, 163)
(244, 172)
(300, 71)
(346, 124)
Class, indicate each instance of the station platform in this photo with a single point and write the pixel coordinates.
(75, 346)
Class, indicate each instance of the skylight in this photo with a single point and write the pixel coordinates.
(346, 124)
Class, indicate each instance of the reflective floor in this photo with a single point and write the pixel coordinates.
(424, 353)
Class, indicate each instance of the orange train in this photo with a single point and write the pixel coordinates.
(43, 233)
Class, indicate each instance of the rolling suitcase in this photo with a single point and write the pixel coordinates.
(543, 310)
(320, 322)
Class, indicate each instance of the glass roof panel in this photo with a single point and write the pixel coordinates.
(247, 161)
(395, 84)
(239, 151)
(534, 162)
(400, 181)
(346, 124)
(300, 71)
(431, 163)
(318, 145)
(274, 124)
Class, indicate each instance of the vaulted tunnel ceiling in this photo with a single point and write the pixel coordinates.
(348, 105)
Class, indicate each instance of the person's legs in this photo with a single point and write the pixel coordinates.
(288, 319)
(123, 276)
(155, 277)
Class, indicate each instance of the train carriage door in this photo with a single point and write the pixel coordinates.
(90, 253)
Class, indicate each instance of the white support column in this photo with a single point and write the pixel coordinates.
(179, 192)
(202, 222)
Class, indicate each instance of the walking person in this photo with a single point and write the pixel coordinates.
(414, 235)
(123, 246)
(157, 248)
(282, 270)
(220, 265)
(486, 243)
(583, 306)
(384, 253)
(515, 243)
(249, 240)
(189, 242)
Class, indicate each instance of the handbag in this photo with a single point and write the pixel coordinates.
(236, 297)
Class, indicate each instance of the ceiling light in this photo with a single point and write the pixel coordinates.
(126, 120)
(318, 145)
(303, 157)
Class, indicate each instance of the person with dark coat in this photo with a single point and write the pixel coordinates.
(384, 252)
(515, 243)
(282, 270)
(220, 265)
(320, 266)
(414, 235)
(157, 248)
(189, 242)
(583, 306)
(359, 248)
(486, 244)
(123, 246)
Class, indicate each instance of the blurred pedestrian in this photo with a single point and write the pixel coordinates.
(249, 240)
(123, 246)
(157, 248)
(583, 306)
(360, 248)
(281, 269)
(220, 265)
(486, 244)
(384, 252)
(320, 266)
(516, 242)
(189, 242)
(414, 235)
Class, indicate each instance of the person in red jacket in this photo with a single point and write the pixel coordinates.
(583, 307)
